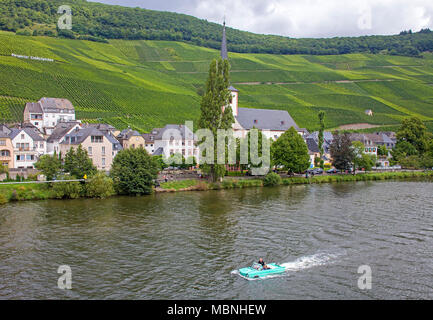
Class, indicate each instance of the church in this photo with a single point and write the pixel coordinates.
(272, 123)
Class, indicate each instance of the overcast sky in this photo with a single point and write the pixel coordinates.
(303, 18)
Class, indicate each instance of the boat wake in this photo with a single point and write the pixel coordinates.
(307, 262)
(302, 263)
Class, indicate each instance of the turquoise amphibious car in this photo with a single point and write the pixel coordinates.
(256, 271)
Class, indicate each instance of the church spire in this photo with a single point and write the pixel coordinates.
(224, 53)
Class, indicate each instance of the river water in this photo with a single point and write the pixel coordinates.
(188, 245)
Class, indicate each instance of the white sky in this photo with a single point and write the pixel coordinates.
(303, 18)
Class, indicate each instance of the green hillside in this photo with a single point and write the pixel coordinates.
(98, 22)
(147, 84)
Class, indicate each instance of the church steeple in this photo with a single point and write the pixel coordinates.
(224, 53)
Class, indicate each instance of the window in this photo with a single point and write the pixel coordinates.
(23, 146)
(89, 151)
(41, 145)
(22, 136)
(2, 142)
(36, 123)
(103, 162)
(97, 139)
(30, 157)
(103, 151)
(5, 153)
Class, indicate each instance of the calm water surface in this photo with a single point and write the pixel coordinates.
(187, 245)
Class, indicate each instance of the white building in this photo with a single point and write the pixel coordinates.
(28, 146)
(48, 112)
(174, 139)
(58, 135)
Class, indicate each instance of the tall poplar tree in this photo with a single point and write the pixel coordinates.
(216, 97)
(321, 131)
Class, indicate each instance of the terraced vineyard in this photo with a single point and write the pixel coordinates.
(148, 84)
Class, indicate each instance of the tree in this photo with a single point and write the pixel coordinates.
(413, 131)
(382, 151)
(161, 162)
(358, 152)
(342, 152)
(100, 186)
(78, 163)
(49, 165)
(402, 150)
(291, 152)
(134, 171)
(212, 117)
(321, 131)
(427, 158)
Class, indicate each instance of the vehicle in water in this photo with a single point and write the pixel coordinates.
(257, 271)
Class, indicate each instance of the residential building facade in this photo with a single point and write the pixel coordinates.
(58, 135)
(48, 112)
(99, 146)
(6, 151)
(129, 138)
(175, 139)
(28, 146)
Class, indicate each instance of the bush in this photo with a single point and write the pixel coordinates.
(100, 186)
(134, 171)
(411, 162)
(3, 199)
(67, 190)
(272, 179)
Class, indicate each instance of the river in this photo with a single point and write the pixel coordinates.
(188, 245)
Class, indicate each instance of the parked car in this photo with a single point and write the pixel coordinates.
(333, 171)
(315, 171)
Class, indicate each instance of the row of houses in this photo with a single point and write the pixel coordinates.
(371, 141)
(50, 127)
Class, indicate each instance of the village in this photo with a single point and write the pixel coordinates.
(51, 127)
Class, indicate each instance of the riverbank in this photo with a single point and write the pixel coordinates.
(32, 192)
(232, 183)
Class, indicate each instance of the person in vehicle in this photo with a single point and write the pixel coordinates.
(263, 264)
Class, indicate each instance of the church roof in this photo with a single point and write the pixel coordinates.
(265, 119)
(224, 52)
